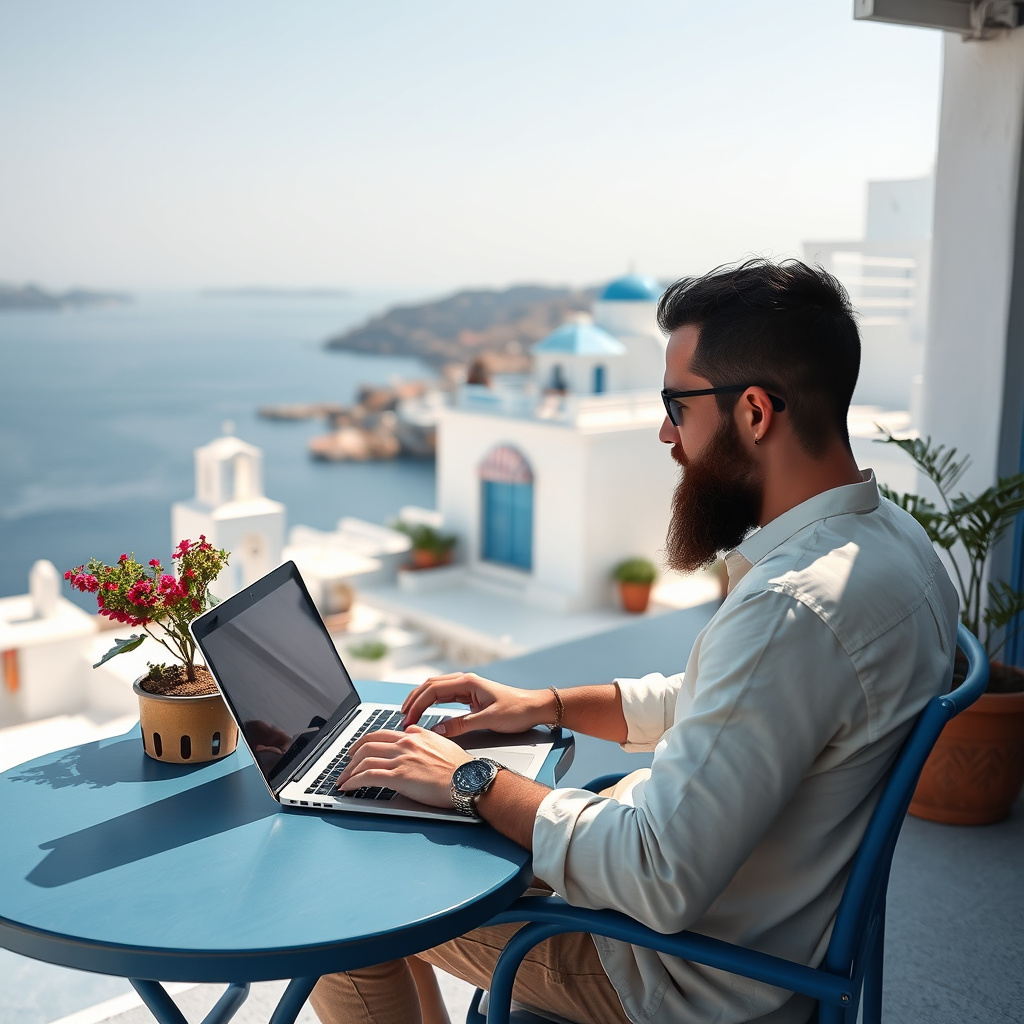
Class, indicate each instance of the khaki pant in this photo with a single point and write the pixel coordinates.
(562, 975)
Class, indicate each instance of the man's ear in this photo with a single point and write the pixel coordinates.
(756, 412)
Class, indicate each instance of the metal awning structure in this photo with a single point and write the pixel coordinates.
(973, 19)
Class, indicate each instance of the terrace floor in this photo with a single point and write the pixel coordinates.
(955, 934)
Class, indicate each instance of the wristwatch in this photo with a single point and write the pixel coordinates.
(470, 781)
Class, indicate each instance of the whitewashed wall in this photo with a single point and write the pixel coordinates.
(976, 196)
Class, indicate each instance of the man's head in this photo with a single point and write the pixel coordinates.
(786, 326)
(783, 340)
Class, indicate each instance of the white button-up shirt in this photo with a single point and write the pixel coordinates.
(770, 752)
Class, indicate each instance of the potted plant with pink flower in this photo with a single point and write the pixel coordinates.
(183, 717)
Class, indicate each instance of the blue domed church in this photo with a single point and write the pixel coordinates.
(551, 479)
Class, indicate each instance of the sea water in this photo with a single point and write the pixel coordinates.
(102, 407)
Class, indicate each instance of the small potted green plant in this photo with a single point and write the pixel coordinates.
(183, 717)
(635, 577)
(366, 659)
(977, 767)
(430, 547)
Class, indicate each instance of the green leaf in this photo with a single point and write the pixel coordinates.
(937, 462)
(122, 647)
(212, 599)
(1004, 603)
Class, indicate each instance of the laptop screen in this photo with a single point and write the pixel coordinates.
(278, 668)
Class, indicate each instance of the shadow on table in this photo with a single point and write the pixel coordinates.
(100, 764)
(454, 833)
(217, 806)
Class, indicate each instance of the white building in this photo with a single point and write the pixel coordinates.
(550, 481)
(231, 509)
(886, 274)
(46, 643)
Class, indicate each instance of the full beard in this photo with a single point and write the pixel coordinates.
(716, 503)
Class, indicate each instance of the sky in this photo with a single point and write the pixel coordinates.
(443, 144)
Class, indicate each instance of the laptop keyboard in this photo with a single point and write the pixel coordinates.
(382, 718)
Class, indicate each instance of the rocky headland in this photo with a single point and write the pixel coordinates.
(460, 327)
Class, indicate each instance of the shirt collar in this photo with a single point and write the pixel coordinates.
(839, 501)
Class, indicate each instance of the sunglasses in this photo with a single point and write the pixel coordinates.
(671, 398)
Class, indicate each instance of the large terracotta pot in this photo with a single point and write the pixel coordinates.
(975, 772)
(635, 596)
(185, 730)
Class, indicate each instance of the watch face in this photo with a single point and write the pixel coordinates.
(472, 776)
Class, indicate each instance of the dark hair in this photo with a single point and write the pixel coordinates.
(785, 326)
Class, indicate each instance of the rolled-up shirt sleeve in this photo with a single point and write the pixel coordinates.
(649, 706)
(729, 761)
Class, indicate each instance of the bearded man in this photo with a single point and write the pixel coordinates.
(770, 750)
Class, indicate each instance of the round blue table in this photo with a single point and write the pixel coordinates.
(115, 863)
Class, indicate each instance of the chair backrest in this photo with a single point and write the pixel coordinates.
(861, 908)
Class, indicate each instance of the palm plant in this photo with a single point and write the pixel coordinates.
(967, 528)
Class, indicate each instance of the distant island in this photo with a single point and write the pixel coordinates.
(260, 292)
(30, 296)
(467, 325)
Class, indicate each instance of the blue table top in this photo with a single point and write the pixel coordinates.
(115, 863)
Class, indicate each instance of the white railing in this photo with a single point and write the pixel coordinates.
(585, 412)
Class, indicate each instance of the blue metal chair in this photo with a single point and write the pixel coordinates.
(852, 967)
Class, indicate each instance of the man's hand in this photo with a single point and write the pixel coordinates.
(416, 763)
(491, 705)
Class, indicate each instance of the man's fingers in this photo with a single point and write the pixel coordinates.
(382, 738)
(447, 691)
(362, 753)
(429, 684)
(452, 727)
(371, 771)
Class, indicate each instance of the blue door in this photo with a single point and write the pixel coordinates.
(508, 523)
(598, 380)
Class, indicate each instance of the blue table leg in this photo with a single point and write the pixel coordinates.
(166, 1012)
(293, 1000)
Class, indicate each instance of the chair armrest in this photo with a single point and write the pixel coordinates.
(604, 782)
(551, 915)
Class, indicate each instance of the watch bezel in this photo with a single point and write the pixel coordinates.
(476, 788)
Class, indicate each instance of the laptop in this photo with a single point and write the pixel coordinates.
(298, 711)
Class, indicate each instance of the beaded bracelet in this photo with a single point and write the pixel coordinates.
(559, 710)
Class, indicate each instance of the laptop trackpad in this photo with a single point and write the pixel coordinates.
(514, 759)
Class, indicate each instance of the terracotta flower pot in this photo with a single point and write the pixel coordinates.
(185, 730)
(635, 596)
(975, 772)
(423, 558)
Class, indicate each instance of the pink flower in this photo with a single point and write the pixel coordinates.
(155, 563)
(123, 617)
(195, 605)
(141, 593)
(123, 558)
(110, 585)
